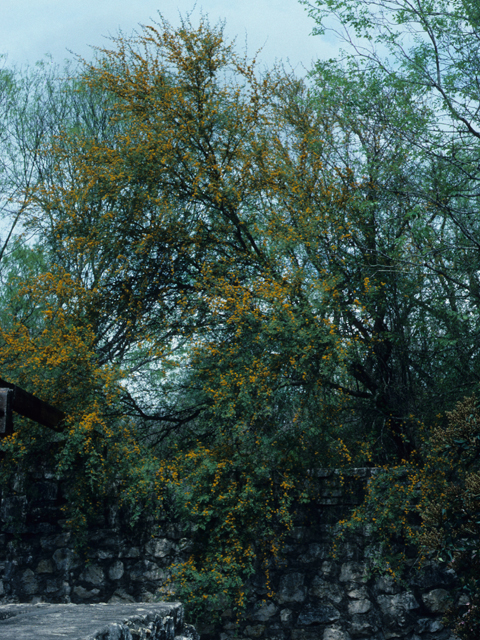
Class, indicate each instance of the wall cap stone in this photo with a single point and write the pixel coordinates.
(90, 621)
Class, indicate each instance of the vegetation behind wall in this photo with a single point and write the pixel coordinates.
(228, 279)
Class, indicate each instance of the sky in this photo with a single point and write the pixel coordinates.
(30, 29)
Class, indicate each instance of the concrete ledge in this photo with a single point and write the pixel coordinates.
(130, 621)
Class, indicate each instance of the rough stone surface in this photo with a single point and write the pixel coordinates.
(320, 589)
(334, 633)
(93, 574)
(116, 571)
(162, 621)
(436, 600)
(291, 588)
(265, 613)
(325, 590)
(359, 606)
(315, 615)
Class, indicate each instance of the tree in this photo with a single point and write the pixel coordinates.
(429, 351)
(428, 51)
(184, 232)
(425, 56)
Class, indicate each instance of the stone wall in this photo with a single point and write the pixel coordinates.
(316, 595)
(39, 562)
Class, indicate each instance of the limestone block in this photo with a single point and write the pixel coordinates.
(185, 545)
(298, 534)
(312, 633)
(57, 587)
(93, 574)
(388, 634)
(2, 590)
(435, 625)
(85, 594)
(101, 538)
(405, 601)
(47, 542)
(101, 554)
(360, 626)
(13, 510)
(276, 634)
(265, 613)
(229, 624)
(331, 491)
(436, 600)
(29, 582)
(373, 551)
(432, 575)
(146, 570)
(64, 559)
(350, 551)
(259, 583)
(44, 566)
(315, 552)
(335, 633)
(116, 571)
(131, 552)
(286, 616)
(291, 588)
(159, 548)
(51, 586)
(353, 572)
(45, 490)
(155, 573)
(328, 568)
(175, 530)
(255, 631)
(396, 609)
(317, 614)
(359, 606)
(323, 589)
(121, 596)
(386, 584)
(62, 540)
(358, 593)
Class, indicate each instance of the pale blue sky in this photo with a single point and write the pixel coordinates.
(31, 28)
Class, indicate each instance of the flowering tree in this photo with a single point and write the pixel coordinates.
(230, 289)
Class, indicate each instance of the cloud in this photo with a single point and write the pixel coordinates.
(29, 30)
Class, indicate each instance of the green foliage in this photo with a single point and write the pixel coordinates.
(241, 514)
(409, 74)
(240, 278)
(432, 504)
(47, 349)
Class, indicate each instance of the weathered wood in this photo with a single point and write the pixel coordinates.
(29, 406)
(6, 422)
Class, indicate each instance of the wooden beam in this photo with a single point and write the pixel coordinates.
(29, 406)
(6, 422)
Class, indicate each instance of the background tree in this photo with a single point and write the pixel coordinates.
(428, 53)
